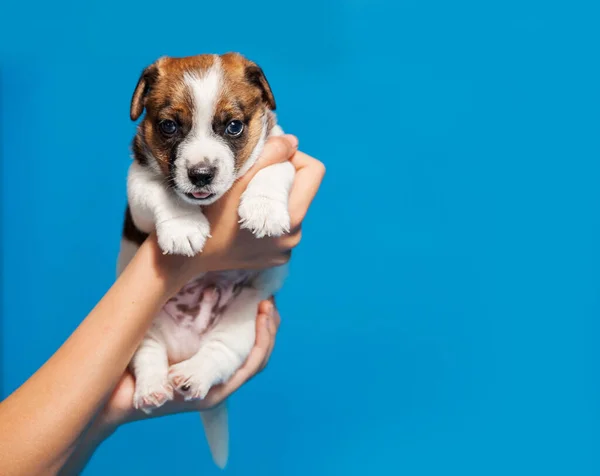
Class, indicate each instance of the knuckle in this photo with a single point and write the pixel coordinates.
(276, 320)
(283, 258)
(293, 239)
(320, 167)
(296, 219)
(323, 169)
(289, 242)
(296, 238)
(279, 146)
(272, 330)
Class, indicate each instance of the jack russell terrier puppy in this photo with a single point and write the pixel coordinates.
(207, 119)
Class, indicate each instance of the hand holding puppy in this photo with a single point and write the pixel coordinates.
(231, 247)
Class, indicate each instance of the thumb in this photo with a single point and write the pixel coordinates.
(277, 149)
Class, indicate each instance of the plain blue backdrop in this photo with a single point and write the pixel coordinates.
(442, 313)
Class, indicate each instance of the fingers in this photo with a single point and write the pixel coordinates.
(269, 308)
(273, 325)
(265, 306)
(309, 175)
(267, 323)
(263, 343)
(276, 319)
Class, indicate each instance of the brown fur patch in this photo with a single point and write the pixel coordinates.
(161, 90)
(168, 98)
(243, 101)
(189, 310)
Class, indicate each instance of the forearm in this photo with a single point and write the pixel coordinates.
(48, 414)
(84, 448)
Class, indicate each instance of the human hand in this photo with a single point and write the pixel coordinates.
(231, 247)
(119, 408)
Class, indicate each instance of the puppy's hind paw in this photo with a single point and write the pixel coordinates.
(150, 395)
(191, 380)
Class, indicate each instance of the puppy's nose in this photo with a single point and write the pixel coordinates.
(202, 176)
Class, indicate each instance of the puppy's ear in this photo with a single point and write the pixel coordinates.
(147, 79)
(256, 77)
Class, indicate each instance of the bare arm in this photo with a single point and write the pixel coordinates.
(48, 415)
(51, 410)
(119, 408)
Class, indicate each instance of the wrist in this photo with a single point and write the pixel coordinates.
(169, 269)
(175, 270)
(85, 447)
(100, 431)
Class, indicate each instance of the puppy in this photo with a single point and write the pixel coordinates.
(207, 119)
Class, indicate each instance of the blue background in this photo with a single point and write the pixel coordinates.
(442, 313)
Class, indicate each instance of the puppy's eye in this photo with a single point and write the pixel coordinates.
(234, 128)
(168, 127)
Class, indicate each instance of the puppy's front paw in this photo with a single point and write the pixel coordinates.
(264, 216)
(151, 392)
(183, 235)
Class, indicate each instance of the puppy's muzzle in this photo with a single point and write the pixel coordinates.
(202, 176)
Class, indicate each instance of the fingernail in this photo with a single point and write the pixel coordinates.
(293, 140)
(270, 309)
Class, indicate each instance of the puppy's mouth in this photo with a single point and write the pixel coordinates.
(200, 195)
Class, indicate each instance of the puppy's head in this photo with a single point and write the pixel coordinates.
(207, 118)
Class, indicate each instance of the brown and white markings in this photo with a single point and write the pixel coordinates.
(207, 119)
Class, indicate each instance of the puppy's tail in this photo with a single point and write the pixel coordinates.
(216, 428)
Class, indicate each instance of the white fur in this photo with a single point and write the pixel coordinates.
(202, 147)
(178, 353)
(222, 350)
(215, 421)
(263, 206)
(150, 366)
(181, 228)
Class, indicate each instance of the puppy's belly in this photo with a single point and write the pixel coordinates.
(181, 339)
(196, 309)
